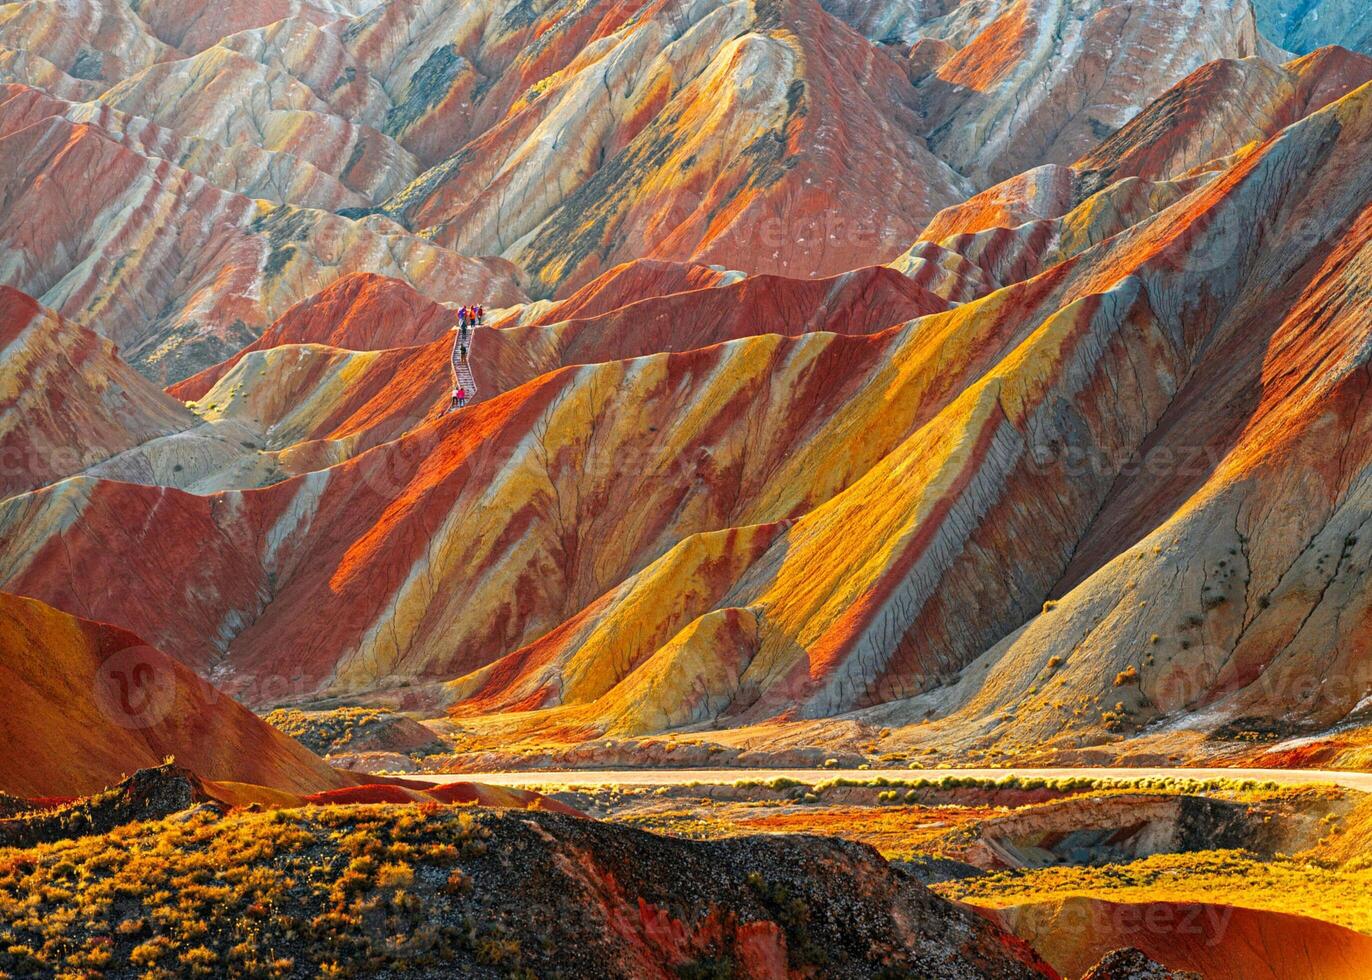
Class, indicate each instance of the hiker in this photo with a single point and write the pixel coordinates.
(459, 399)
(481, 315)
(464, 353)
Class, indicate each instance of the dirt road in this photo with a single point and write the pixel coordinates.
(677, 777)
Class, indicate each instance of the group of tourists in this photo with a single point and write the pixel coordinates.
(470, 316)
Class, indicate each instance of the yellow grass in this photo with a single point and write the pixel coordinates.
(1300, 886)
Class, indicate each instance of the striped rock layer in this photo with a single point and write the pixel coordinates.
(1147, 458)
(1062, 439)
(235, 159)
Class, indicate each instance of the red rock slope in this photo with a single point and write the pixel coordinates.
(85, 703)
(67, 401)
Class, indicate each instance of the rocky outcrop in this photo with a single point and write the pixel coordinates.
(273, 109)
(1134, 964)
(149, 794)
(889, 21)
(312, 407)
(354, 730)
(622, 286)
(497, 891)
(1228, 631)
(1113, 829)
(168, 790)
(567, 139)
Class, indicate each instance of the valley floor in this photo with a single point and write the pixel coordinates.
(1197, 867)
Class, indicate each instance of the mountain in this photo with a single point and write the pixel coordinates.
(401, 138)
(1105, 331)
(1308, 24)
(908, 383)
(952, 469)
(1035, 81)
(708, 133)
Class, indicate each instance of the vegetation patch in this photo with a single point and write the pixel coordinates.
(355, 730)
(330, 891)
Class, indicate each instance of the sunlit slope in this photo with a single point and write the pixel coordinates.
(309, 404)
(86, 703)
(881, 591)
(771, 424)
(1089, 456)
(905, 499)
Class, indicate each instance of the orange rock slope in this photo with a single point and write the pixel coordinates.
(1211, 940)
(85, 703)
